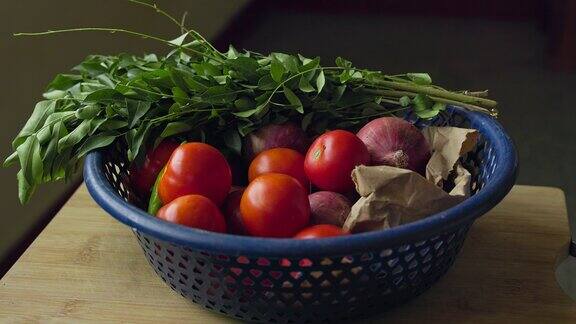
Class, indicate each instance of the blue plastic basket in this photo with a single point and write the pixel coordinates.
(299, 281)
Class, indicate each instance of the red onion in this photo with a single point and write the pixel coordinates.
(286, 135)
(328, 207)
(395, 142)
(231, 211)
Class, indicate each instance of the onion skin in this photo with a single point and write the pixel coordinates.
(395, 142)
(231, 211)
(287, 135)
(328, 207)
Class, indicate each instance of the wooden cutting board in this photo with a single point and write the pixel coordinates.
(86, 267)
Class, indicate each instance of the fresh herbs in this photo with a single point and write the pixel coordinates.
(198, 93)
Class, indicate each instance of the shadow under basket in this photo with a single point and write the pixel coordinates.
(309, 281)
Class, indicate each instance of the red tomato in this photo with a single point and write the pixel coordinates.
(231, 210)
(196, 168)
(194, 211)
(320, 231)
(279, 160)
(331, 159)
(142, 177)
(275, 205)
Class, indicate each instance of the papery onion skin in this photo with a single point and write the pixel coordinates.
(395, 142)
(328, 207)
(287, 135)
(231, 211)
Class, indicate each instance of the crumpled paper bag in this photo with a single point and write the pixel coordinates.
(392, 196)
(448, 144)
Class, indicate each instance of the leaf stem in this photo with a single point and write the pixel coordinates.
(114, 30)
(462, 98)
(396, 93)
(295, 76)
(387, 112)
(111, 30)
(160, 11)
(183, 28)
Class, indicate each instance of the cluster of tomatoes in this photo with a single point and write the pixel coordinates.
(195, 186)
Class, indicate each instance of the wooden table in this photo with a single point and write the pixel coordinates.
(86, 267)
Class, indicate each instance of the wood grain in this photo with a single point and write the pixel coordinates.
(86, 267)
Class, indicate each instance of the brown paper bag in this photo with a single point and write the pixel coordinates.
(392, 196)
(447, 144)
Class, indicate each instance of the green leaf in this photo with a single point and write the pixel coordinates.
(64, 81)
(135, 139)
(289, 62)
(11, 159)
(150, 58)
(293, 99)
(95, 142)
(432, 112)
(179, 40)
(95, 125)
(103, 95)
(49, 155)
(422, 102)
(180, 96)
(246, 128)
(304, 59)
(345, 76)
(439, 106)
(320, 81)
(311, 65)
(42, 110)
(219, 95)
(304, 85)
(44, 134)
(420, 78)
(244, 103)
(232, 52)
(196, 83)
(233, 141)
(307, 120)
(31, 168)
(246, 113)
(337, 93)
(276, 71)
(75, 136)
(155, 202)
(251, 112)
(59, 116)
(113, 124)
(266, 83)
(91, 66)
(221, 79)
(136, 110)
(207, 69)
(105, 80)
(178, 75)
(174, 128)
(245, 66)
(87, 112)
(25, 188)
(341, 62)
(404, 101)
(427, 114)
(54, 94)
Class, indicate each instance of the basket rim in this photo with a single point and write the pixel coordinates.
(465, 212)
